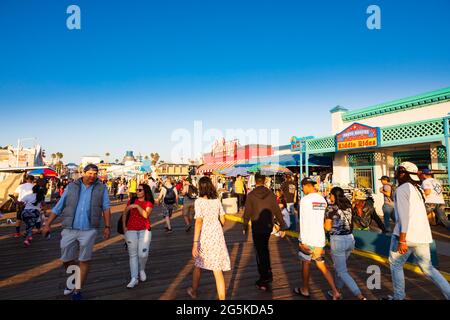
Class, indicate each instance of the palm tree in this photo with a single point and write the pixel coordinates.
(59, 163)
(59, 155)
(59, 167)
(53, 157)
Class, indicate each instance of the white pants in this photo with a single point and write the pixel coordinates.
(138, 243)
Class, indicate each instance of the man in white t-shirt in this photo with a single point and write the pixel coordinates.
(312, 237)
(434, 199)
(20, 192)
(412, 233)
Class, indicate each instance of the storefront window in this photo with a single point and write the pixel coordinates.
(442, 157)
(363, 178)
(361, 165)
(361, 159)
(421, 158)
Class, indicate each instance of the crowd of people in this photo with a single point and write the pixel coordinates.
(85, 202)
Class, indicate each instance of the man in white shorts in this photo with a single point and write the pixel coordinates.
(81, 208)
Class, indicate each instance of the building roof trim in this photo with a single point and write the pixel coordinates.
(338, 108)
(413, 102)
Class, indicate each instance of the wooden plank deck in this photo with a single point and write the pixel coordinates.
(37, 273)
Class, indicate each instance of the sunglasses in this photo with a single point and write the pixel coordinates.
(140, 190)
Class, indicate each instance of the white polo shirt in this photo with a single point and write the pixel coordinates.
(312, 214)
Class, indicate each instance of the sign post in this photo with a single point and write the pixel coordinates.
(299, 144)
(447, 141)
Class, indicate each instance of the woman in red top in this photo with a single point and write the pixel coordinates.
(137, 231)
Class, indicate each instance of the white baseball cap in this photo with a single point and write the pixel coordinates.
(412, 169)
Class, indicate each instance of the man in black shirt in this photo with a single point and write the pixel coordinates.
(261, 208)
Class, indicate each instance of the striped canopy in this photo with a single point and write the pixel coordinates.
(47, 172)
(212, 167)
(273, 169)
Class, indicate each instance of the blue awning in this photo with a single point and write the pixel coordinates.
(290, 160)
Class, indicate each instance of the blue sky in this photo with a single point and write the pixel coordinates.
(138, 70)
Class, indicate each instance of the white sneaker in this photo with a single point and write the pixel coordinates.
(67, 291)
(142, 275)
(133, 283)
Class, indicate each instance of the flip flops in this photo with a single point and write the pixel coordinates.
(299, 292)
(190, 292)
(330, 294)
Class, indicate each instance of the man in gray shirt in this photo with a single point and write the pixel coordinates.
(388, 206)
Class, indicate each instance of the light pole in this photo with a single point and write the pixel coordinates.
(18, 147)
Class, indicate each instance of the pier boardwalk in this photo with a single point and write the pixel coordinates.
(36, 272)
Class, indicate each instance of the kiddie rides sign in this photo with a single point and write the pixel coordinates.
(357, 136)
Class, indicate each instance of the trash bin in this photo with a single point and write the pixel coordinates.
(230, 205)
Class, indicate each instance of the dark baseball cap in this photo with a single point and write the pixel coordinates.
(385, 178)
(427, 171)
(306, 181)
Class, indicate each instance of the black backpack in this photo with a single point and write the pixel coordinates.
(170, 197)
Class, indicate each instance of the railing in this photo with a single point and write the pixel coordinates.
(417, 132)
(321, 145)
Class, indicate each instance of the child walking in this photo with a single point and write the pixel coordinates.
(32, 211)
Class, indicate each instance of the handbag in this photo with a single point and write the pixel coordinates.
(120, 223)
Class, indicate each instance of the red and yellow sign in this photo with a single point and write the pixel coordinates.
(357, 136)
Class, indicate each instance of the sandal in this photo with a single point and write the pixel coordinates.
(190, 292)
(330, 294)
(299, 292)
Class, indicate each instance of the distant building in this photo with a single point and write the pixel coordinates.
(94, 159)
(225, 154)
(26, 157)
(173, 169)
(129, 158)
(282, 150)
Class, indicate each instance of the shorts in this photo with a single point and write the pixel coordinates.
(77, 240)
(30, 214)
(167, 210)
(188, 208)
(316, 254)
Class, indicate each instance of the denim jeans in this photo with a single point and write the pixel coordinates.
(388, 213)
(341, 248)
(292, 216)
(422, 252)
(138, 243)
(439, 211)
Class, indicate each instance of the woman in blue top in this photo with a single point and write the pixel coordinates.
(338, 222)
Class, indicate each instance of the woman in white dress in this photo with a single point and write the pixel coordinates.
(209, 248)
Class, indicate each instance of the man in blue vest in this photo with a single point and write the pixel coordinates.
(81, 208)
